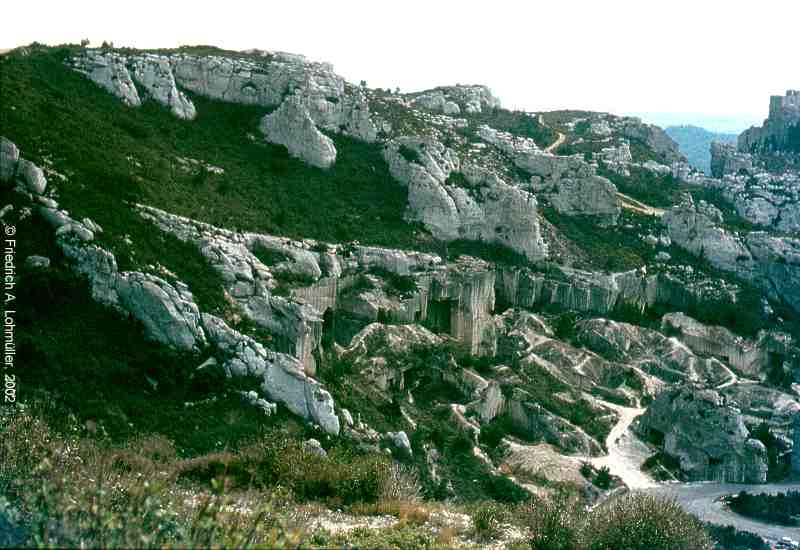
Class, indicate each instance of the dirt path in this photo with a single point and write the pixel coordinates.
(626, 453)
(559, 140)
(629, 203)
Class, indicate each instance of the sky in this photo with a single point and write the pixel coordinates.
(697, 59)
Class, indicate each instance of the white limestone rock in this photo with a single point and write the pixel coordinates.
(109, 71)
(591, 196)
(707, 435)
(331, 102)
(9, 156)
(291, 125)
(32, 176)
(282, 377)
(484, 208)
(169, 315)
(696, 227)
(154, 74)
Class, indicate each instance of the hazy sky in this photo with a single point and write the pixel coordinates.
(720, 58)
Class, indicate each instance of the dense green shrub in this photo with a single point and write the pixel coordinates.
(603, 479)
(409, 154)
(782, 508)
(730, 538)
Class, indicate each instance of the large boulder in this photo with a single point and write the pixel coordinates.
(169, 314)
(707, 435)
(291, 125)
(31, 176)
(593, 196)
(9, 155)
(697, 228)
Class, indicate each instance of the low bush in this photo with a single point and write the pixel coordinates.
(644, 522)
(487, 518)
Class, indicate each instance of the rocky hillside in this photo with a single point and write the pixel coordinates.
(217, 247)
(695, 143)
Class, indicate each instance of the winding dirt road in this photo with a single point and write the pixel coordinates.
(559, 140)
(626, 452)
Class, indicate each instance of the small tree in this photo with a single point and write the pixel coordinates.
(84, 42)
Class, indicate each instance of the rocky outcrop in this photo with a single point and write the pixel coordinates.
(752, 358)
(593, 196)
(291, 125)
(780, 131)
(475, 205)
(330, 101)
(282, 377)
(154, 74)
(168, 313)
(382, 354)
(109, 71)
(29, 178)
(454, 100)
(771, 262)
(9, 155)
(571, 185)
(652, 136)
(667, 359)
(725, 159)
(706, 435)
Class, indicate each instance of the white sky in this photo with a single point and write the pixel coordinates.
(720, 58)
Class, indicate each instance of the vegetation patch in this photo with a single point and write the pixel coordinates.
(780, 508)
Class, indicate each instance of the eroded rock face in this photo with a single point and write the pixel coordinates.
(329, 100)
(652, 136)
(168, 314)
(154, 73)
(771, 262)
(291, 125)
(477, 205)
(725, 159)
(750, 357)
(282, 377)
(592, 196)
(31, 176)
(707, 435)
(571, 185)
(109, 71)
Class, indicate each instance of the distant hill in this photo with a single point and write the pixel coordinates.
(694, 142)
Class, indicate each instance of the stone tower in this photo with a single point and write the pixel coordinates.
(796, 446)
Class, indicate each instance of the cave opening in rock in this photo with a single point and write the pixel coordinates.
(440, 314)
(328, 327)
